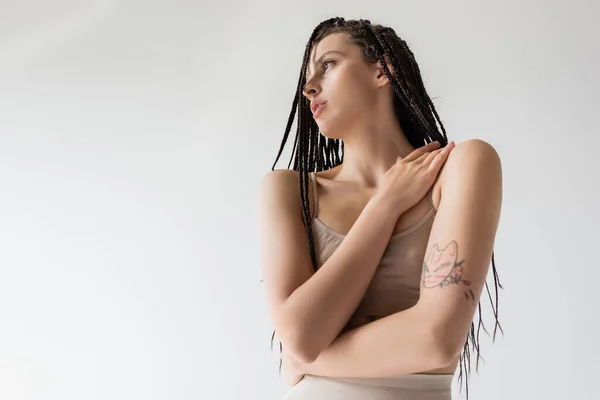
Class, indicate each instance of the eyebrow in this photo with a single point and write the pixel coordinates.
(321, 57)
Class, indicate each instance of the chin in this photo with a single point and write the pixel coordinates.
(341, 123)
(329, 135)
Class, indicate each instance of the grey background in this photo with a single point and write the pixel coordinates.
(133, 135)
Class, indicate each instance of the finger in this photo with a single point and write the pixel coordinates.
(426, 158)
(443, 151)
(436, 161)
(421, 150)
(436, 164)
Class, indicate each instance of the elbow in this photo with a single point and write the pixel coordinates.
(305, 350)
(307, 357)
(302, 353)
(442, 351)
(297, 339)
(445, 353)
(300, 347)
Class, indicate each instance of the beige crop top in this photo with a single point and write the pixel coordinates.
(396, 282)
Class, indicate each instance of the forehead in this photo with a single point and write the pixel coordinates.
(335, 41)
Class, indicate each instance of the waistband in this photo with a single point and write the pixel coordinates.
(409, 381)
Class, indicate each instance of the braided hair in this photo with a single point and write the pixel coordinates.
(418, 118)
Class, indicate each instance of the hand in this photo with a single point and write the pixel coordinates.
(409, 179)
(293, 368)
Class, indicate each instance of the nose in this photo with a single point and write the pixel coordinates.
(310, 90)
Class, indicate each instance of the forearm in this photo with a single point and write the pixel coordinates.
(401, 343)
(321, 307)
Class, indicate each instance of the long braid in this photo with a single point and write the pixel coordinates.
(313, 152)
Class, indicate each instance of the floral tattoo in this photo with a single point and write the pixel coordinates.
(442, 268)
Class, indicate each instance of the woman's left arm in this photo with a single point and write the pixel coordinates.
(433, 332)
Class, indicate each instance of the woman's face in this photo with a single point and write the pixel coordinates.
(337, 74)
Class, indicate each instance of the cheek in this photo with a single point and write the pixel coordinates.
(349, 97)
(354, 94)
(346, 97)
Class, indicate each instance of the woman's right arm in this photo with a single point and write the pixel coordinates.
(309, 310)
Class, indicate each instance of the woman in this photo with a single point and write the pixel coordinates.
(375, 252)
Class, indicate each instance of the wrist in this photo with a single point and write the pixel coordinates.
(388, 207)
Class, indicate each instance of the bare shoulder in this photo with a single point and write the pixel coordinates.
(279, 182)
(281, 188)
(469, 155)
(475, 161)
(474, 148)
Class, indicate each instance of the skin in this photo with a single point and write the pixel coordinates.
(359, 111)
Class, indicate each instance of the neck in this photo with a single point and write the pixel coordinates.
(370, 151)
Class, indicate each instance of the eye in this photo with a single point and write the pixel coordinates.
(325, 63)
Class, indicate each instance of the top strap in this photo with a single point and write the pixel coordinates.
(315, 196)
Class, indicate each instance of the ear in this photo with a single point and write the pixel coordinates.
(380, 75)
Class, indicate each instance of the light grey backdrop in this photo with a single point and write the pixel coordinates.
(133, 135)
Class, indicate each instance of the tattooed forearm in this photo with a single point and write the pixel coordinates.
(442, 268)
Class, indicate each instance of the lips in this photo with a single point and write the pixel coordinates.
(318, 110)
(316, 105)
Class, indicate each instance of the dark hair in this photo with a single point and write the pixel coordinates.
(417, 116)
